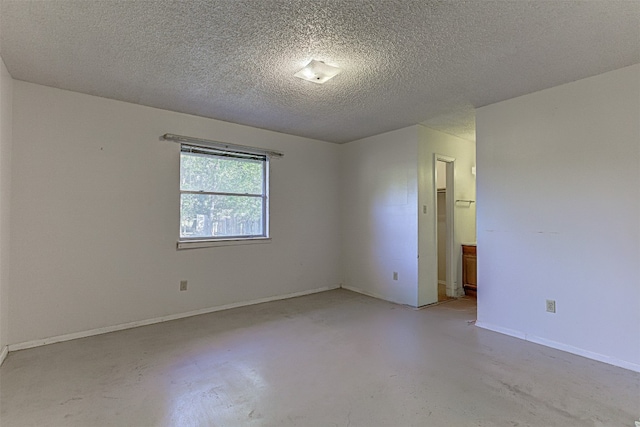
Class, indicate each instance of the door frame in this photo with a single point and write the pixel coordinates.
(451, 271)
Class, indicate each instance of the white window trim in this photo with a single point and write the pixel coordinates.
(183, 244)
(196, 244)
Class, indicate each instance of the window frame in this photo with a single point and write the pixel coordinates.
(237, 153)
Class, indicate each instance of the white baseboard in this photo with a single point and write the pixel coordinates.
(501, 330)
(122, 326)
(561, 346)
(3, 354)
(374, 295)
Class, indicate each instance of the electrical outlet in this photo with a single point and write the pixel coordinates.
(551, 306)
(395, 275)
(183, 285)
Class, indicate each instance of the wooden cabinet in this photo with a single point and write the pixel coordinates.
(469, 279)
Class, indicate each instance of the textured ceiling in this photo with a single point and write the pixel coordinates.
(404, 62)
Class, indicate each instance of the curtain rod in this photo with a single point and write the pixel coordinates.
(219, 145)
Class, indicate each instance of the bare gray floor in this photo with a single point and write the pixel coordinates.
(330, 359)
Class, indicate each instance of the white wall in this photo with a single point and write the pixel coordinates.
(6, 89)
(559, 216)
(385, 178)
(95, 208)
(379, 215)
(432, 142)
(441, 175)
(442, 236)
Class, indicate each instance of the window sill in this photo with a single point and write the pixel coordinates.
(195, 244)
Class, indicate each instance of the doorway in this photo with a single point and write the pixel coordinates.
(444, 183)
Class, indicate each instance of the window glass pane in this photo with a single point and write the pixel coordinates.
(200, 172)
(205, 215)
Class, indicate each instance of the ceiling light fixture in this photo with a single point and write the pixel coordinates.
(318, 72)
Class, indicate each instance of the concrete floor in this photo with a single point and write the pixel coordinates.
(330, 359)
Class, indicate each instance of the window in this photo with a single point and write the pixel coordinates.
(223, 195)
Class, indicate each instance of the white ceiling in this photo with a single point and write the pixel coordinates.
(404, 62)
